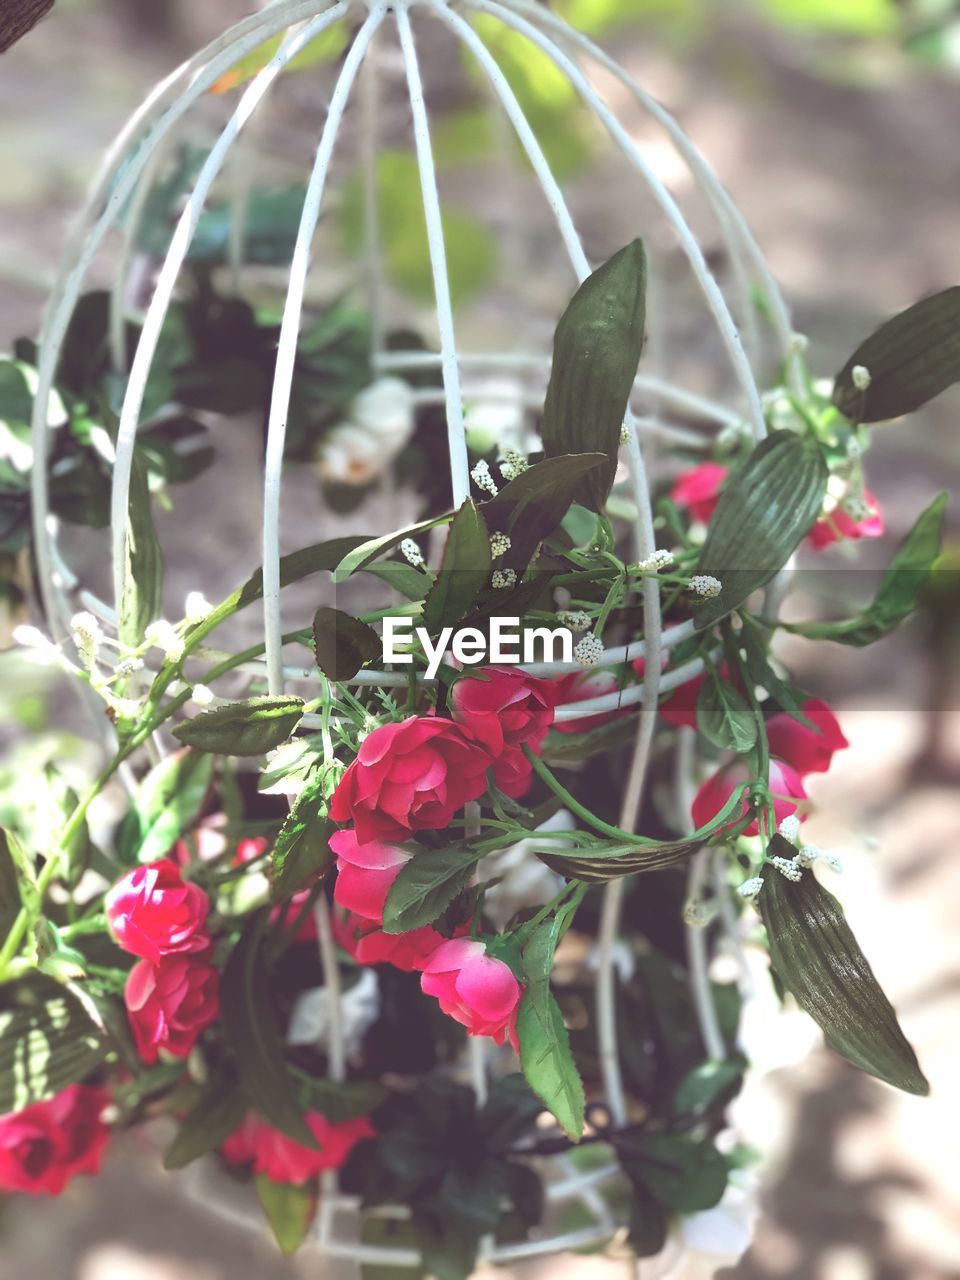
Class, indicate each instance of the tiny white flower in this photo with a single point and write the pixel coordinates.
(790, 868)
(861, 377)
(87, 636)
(653, 563)
(576, 620)
(625, 435)
(705, 586)
(202, 696)
(411, 552)
(750, 888)
(503, 578)
(128, 667)
(588, 650)
(790, 828)
(810, 854)
(799, 343)
(483, 479)
(500, 543)
(197, 608)
(163, 635)
(514, 464)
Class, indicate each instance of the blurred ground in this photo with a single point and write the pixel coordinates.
(853, 195)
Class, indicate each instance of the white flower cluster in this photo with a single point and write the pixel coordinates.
(202, 696)
(705, 586)
(790, 868)
(653, 563)
(810, 854)
(481, 477)
(499, 544)
(625, 434)
(163, 635)
(790, 828)
(503, 578)
(380, 422)
(750, 888)
(588, 650)
(411, 552)
(514, 464)
(576, 620)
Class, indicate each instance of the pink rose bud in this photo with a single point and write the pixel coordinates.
(784, 782)
(365, 873)
(152, 912)
(504, 708)
(169, 1004)
(477, 990)
(698, 490)
(840, 524)
(281, 1159)
(806, 750)
(412, 776)
(46, 1144)
(579, 686)
(371, 946)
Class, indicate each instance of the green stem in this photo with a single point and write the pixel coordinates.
(560, 791)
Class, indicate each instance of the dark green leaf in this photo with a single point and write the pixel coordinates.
(448, 1249)
(319, 558)
(545, 1055)
(248, 728)
(427, 885)
(724, 717)
(218, 1111)
(410, 582)
(360, 556)
(818, 960)
(463, 572)
(897, 596)
(24, 870)
(703, 1085)
(910, 359)
(596, 352)
(10, 902)
(765, 509)
(302, 853)
(648, 1223)
(570, 748)
(290, 1210)
(682, 1173)
(16, 398)
(44, 1047)
(343, 643)
(340, 1100)
(247, 1016)
(760, 671)
(509, 1112)
(165, 804)
(143, 585)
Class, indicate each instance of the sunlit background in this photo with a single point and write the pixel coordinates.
(834, 124)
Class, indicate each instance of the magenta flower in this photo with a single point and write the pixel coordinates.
(152, 912)
(169, 1004)
(698, 490)
(48, 1143)
(477, 990)
(282, 1159)
(365, 873)
(807, 751)
(784, 782)
(504, 708)
(839, 524)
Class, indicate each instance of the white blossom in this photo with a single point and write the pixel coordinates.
(500, 543)
(789, 868)
(588, 650)
(503, 578)
(705, 586)
(359, 1008)
(197, 607)
(522, 880)
(658, 560)
(128, 667)
(799, 343)
(576, 620)
(163, 635)
(379, 423)
(483, 479)
(861, 377)
(790, 828)
(625, 434)
(810, 854)
(385, 409)
(514, 464)
(411, 552)
(750, 888)
(202, 696)
(87, 636)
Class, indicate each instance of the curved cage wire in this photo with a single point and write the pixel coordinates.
(387, 39)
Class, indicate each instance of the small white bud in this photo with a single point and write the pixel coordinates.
(790, 868)
(197, 608)
(128, 667)
(790, 828)
(483, 479)
(705, 586)
(499, 544)
(163, 635)
(576, 620)
(202, 696)
(799, 343)
(860, 377)
(87, 636)
(503, 578)
(588, 650)
(514, 464)
(411, 552)
(653, 563)
(750, 888)
(625, 434)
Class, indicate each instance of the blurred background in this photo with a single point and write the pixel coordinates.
(833, 123)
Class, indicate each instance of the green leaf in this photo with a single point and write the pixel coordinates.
(463, 572)
(142, 600)
(533, 506)
(319, 558)
(427, 885)
(724, 717)
(340, 1100)
(45, 1047)
(165, 804)
(248, 728)
(897, 596)
(570, 748)
(910, 359)
(681, 1173)
(217, 1113)
(290, 1210)
(410, 582)
(545, 1054)
(816, 957)
(702, 1086)
(596, 352)
(613, 860)
(766, 508)
(343, 643)
(302, 853)
(648, 1223)
(24, 870)
(247, 1010)
(361, 554)
(10, 901)
(784, 694)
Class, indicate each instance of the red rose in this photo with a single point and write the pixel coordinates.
(784, 782)
(840, 524)
(513, 774)
(806, 750)
(46, 1144)
(153, 913)
(281, 1159)
(170, 1003)
(581, 686)
(698, 490)
(503, 707)
(477, 990)
(371, 946)
(365, 873)
(411, 776)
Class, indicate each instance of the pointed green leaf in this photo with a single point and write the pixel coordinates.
(765, 509)
(427, 885)
(143, 585)
(596, 352)
(302, 853)
(360, 556)
(248, 728)
(816, 957)
(343, 643)
(217, 1113)
(290, 1210)
(910, 359)
(785, 695)
(165, 804)
(724, 716)
(897, 596)
(463, 572)
(319, 558)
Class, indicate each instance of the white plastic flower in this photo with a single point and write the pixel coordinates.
(385, 409)
(163, 635)
(379, 423)
(351, 455)
(790, 828)
(589, 650)
(655, 562)
(481, 477)
(411, 552)
(500, 543)
(359, 1010)
(197, 607)
(705, 586)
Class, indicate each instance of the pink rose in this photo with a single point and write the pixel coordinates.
(680, 707)
(698, 490)
(513, 774)
(371, 946)
(784, 782)
(46, 1144)
(411, 776)
(807, 751)
(153, 913)
(477, 990)
(580, 686)
(504, 708)
(281, 1159)
(169, 1004)
(365, 873)
(839, 524)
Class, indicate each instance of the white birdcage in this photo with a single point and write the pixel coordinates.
(392, 27)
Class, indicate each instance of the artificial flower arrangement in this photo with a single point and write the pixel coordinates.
(430, 853)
